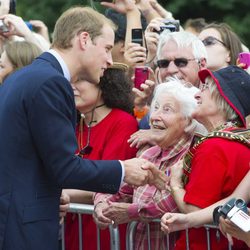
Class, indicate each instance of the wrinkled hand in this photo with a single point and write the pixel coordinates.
(137, 172)
(140, 138)
(171, 222)
(100, 219)
(64, 206)
(118, 212)
(160, 179)
(135, 54)
(229, 229)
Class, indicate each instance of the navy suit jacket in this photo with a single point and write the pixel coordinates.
(37, 156)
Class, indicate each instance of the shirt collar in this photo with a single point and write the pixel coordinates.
(64, 66)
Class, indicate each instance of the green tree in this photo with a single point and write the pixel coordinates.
(233, 12)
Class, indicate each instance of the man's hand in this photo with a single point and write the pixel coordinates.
(137, 172)
(64, 206)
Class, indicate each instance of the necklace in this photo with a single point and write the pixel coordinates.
(83, 115)
(87, 149)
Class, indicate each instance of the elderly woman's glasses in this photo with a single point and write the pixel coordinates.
(210, 40)
(203, 86)
(179, 62)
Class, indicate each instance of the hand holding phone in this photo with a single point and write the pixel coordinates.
(244, 57)
(137, 36)
(141, 75)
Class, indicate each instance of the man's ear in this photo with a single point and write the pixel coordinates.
(84, 38)
(122, 47)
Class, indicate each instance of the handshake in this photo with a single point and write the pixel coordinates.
(139, 172)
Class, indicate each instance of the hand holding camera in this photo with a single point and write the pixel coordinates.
(236, 211)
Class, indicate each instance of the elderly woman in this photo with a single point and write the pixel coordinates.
(215, 164)
(172, 129)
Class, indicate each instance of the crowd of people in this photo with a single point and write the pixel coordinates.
(75, 128)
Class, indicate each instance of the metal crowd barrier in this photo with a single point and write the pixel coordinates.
(89, 209)
(132, 227)
(114, 231)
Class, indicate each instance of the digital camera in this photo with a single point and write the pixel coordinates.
(236, 211)
(3, 27)
(171, 25)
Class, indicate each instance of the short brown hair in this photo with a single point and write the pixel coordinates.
(21, 53)
(75, 20)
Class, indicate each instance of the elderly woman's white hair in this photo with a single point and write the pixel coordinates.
(184, 93)
(183, 39)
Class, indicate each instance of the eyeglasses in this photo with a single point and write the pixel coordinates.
(179, 62)
(203, 86)
(210, 40)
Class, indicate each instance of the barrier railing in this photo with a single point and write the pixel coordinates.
(114, 231)
(89, 209)
(132, 227)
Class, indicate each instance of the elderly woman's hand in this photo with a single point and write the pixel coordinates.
(140, 138)
(117, 212)
(160, 179)
(100, 219)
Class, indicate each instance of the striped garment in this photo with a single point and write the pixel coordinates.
(147, 201)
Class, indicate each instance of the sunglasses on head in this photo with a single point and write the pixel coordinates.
(179, 62)
(210, 40)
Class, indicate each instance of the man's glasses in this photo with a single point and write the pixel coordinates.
(179, 62)
(210, 40)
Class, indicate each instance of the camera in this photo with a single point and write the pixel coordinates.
(3, 27)
(236, 211)
(171, 25)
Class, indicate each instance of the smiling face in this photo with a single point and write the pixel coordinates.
(98, 56)
(167, 121)
(207, 111)
(189, 73)
(218, 54)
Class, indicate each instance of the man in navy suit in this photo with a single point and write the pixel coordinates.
(37, 134)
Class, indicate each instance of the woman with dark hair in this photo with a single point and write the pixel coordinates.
(104, 127)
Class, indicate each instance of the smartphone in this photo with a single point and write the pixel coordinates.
(244, 57)
(141, 75)
(137, 36)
